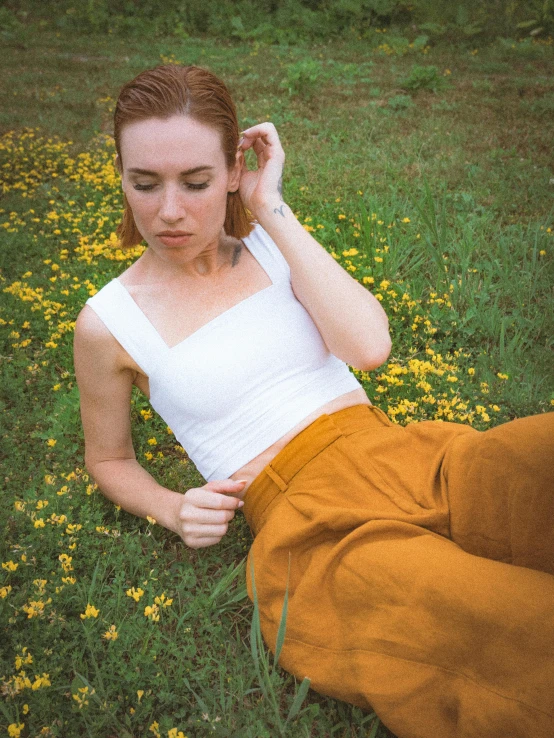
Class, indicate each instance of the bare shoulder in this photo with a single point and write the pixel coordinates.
(94, 345)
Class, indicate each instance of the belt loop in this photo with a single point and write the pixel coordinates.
(272, 474)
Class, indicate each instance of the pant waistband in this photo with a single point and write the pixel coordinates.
(275, 478)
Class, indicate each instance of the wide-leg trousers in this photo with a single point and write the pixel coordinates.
(419, 562)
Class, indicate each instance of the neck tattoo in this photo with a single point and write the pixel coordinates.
(236, 254)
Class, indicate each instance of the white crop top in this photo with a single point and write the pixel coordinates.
(240, 382)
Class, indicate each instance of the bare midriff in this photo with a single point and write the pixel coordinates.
(251, 470)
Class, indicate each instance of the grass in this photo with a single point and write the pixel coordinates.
(439, 201)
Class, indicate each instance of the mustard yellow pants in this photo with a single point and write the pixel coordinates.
(421, 570)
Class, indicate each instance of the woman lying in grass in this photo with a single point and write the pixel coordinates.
(419, 560)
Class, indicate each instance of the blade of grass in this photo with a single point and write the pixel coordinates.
(298, 699)
(282, 623)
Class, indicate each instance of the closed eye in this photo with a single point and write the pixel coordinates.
(189, 185)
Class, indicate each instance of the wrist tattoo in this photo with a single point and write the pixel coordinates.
(279, 210)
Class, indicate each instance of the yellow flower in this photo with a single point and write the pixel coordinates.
(406, 220)
(51, 442)
(152, 441)
(65, 561)
(368, 280)
(136, 594)
(14, 729)
(140, 692)
(9, 565)
(111, 634)
(152, 612)
(471, 371)
(4, 591)
(41, 681)
(149, 456)
(174, 733)
(154, 728)
(502, 376)
(151, 520)
(342, 216)
(90, 612)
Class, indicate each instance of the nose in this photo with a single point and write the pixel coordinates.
(171, 206)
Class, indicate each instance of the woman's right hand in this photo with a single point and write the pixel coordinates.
(206, 512)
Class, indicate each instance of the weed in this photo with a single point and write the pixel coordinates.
(302, 78)
(424, 78)
(400, 102)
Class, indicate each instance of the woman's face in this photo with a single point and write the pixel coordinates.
(176, 180)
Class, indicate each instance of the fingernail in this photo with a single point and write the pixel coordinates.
(240, 481)
(241, 504)
(240, 142)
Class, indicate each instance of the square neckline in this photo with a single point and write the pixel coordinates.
(131, 300)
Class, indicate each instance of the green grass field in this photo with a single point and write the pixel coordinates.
(427, 172)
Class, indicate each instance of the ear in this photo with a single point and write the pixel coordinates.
(235, 172)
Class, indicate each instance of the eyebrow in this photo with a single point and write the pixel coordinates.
(194, 170)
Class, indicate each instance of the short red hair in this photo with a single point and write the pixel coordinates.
(170, 90)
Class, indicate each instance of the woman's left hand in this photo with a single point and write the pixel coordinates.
(262, 187)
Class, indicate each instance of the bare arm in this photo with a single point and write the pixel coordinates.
(350, 319)
(201, 515)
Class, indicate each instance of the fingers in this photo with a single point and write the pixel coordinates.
(217, 495)
(205, 515)
(264, 139)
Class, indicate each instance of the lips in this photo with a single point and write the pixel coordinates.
(174, 238)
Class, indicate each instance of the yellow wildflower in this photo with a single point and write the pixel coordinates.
(111, 634)
(90, 612)
(41, 681)
(136, 594)
(152, 612)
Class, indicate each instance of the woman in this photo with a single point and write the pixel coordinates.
(418, 560)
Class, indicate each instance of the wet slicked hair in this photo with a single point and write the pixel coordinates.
(170, 90)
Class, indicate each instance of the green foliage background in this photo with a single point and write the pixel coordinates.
(293, 20)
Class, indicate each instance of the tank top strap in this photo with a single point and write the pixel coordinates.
(268, 254)
(129, 325)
